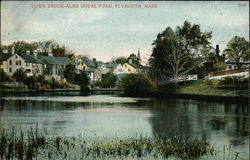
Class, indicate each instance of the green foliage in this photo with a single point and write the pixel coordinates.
(121, 60)
(108, 80)
(3, 76)
(54, 84)
(178, 52)
(19, 75)
(82, 79)
(234, 82)
(219, 66)
(237, 50)
(69, 73)
(138, 85)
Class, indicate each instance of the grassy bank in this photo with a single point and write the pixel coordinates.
(32, 145)
(203, 87)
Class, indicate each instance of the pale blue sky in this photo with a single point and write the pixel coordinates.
(107, 33)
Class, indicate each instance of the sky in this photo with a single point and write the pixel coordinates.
(106, 33)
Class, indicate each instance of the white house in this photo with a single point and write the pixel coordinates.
(29, 63)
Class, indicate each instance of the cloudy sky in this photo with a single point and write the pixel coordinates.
(105, 33)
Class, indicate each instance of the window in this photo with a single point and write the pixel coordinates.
(129, 70)
(27, 64)
(10, 62)
(20, 63)
(16, 57)
(235, 67)
(10, 70)
(230, 67)
(125, 65)
(17, 62)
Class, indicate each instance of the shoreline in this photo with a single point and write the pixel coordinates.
(210, 98)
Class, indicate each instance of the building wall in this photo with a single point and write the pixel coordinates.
(16, 62)
(97, 75)
(234, 66)
(4, 66)
(119, 69)
(127, 68)
(81, 66)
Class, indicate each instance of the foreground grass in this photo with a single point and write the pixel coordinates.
(35, 146)
(204, 87)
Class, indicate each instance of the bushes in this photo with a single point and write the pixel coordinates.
(3, 76)
(138, 85)
(233, 82)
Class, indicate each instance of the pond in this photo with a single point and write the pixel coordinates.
(111, 116)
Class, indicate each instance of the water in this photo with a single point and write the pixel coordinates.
(111, 116)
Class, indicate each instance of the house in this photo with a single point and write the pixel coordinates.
(117, 69)
(94, 74)
(54, 65)
(133, 68)
(3, 61)
(29, 63)
(232, 65)
(83, 63)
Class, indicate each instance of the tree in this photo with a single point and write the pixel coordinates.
(69, 73)
(121, 60)
(108, 80)
(237, 50)
(82, 79)
(20, 75)
(3, 76)
(44, 47)
(21, 47)
(178, 52)
(138, 85)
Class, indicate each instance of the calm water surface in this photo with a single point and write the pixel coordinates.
(109, 116)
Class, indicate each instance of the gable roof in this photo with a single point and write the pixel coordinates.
(112, 65)
(135, 65)
(30, 58)
(4, 57)
(55, 60)
(88, 62)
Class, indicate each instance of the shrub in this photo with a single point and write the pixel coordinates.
(19, 75)
(3, 76)
(233, 82)
(138, 85)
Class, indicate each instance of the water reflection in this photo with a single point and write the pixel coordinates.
(222, 124)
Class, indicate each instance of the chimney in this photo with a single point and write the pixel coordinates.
(13, 50)
(217, 50)
(94, 60)
(35, 53)
(130, 61)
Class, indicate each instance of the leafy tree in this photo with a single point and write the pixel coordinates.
(138, 85)
(82, 79)
(121, 60)
(108, 80)
(237, 50)
(20, 75)
(44, 47)
(217, 60)
(178, 52)
(134, 59)
(20, 47)
(69, 73)
(3, 76)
